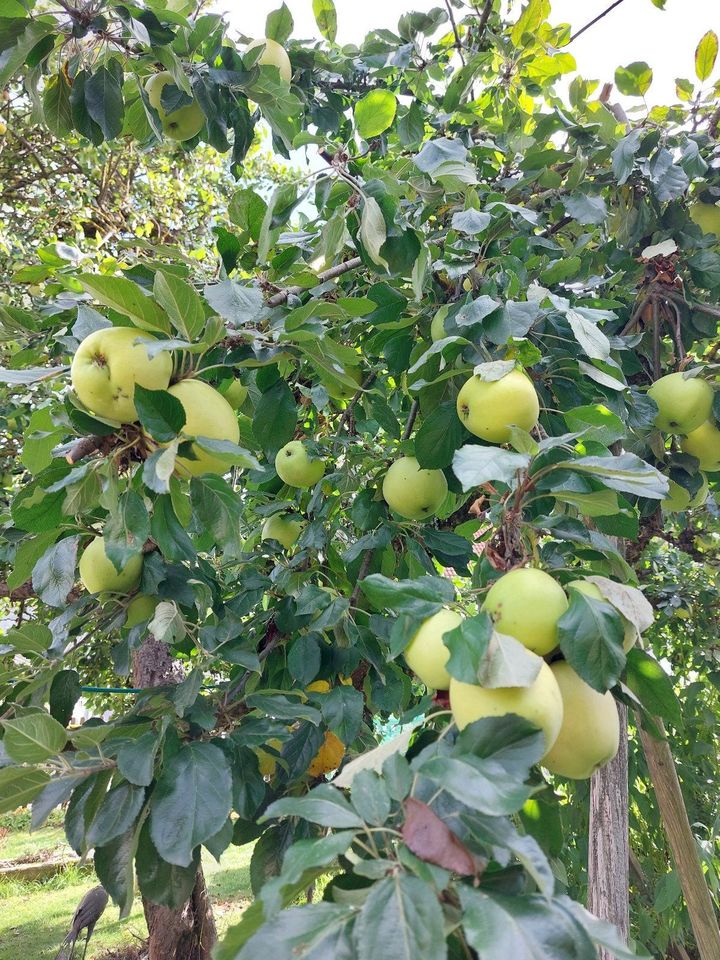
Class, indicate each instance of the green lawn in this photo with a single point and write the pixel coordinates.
(34, 917)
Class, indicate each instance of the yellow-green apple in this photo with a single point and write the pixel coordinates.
(274, 55)
(527, 604)
(235, 393)
(412, 492)
(207, 414)
(140, 609)
(704, 443)
(107, 365)
(98, 573)
(590, 733)
(181, 124)
(437, 327)
(679, 498)
(706, 216)
(427, 655)
(282, 527)
(489, 408)
(343, 391)
(295, 467)
(683, 404)
(540, 703)
(590, 589)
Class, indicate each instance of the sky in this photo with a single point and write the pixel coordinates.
(636, 30)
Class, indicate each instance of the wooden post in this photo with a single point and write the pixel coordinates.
(608, 854)
(682, 842)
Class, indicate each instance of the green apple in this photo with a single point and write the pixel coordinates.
(683, 404)
(540, 703)
(140, 609)
(590, 733)
(412, 492)
(181, 124)
(283, 528)
(704, 443)
(274, 55)
(437, 327)
(592, 590)
(207, 414)
(527, 604)
(427, 655)
(490, 408)
(295, 468)
(98, 573)
(107, 365)
(706, 216)
(235, 394)
(3, 128)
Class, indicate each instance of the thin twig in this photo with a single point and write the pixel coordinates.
(593, 22)
(366, 384)
(458, 42)
(411, 419)
(337, 271)
(362, 573)
(484, 17)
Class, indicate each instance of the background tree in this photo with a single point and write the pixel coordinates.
(465, 222)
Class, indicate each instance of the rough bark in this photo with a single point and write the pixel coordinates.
(608, 851)
(682, 843)
(188, 933)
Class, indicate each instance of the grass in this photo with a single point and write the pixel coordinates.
(35, 916)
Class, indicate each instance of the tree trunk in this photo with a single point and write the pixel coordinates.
(608, 853)
(188, 933)
(682, 843)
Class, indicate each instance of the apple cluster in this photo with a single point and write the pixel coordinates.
(685, 403)
(106, 368)
(580, 725)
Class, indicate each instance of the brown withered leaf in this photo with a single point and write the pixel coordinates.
(430, 839)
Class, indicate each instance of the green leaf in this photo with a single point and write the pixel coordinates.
(160, 413)
(115, 869)
(591, 634)
(634, 80)
(64, 694)
(275, 417)
(158, 468)
(326, 18)
(104, 98)
(217, 509)
(313, 932)
(191, 801)
(421, 597)
(33, 738)
(279, 24)
(373, 232)
(439, 436)
(127, 298)
(370, 797)
(30, 638)
(652, 686)
(533, 16)
(181, 303)
(586, 208)
(126, 530)
(116, 814)
(590, 337)
(401, 919)
(166, 884)
(375, 113)
(522, 927)
(342, 709)
(601, 932)
(474, 465)
(41, 437)
(169, 534)
(19, 786)
(626, 473)
(53, 575)
(480, 655)
(623, 156)
(136, 759)
(57, 112)
(324, 804)
(706, 55)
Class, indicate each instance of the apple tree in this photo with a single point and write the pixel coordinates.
(359, 520)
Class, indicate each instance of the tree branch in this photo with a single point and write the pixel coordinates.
(596, 19)
(331, 274)
(458, 42)
(83, 448)
(412, 416)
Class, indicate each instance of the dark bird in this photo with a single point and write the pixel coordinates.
(90, 909)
